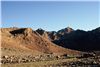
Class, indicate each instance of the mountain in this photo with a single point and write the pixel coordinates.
(81, 40)
(65, 31)
(43, 33)
(57, 35)
(25, 41)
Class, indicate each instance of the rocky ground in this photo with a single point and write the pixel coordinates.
(79, 61)
(83, 62)
(30, 58)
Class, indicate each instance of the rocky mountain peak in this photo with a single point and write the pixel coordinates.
(65, 30)
(68, 29)
(43, 33)
(40, 31)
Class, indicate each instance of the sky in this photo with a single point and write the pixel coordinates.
(49, 0)
(51, 15)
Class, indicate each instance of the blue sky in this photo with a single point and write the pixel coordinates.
(51, 15)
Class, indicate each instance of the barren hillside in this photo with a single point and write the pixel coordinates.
(24, 41)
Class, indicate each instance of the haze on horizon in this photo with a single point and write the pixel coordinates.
(51, 15)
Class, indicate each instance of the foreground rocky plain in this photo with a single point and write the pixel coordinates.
(56, 61)
(24, 47)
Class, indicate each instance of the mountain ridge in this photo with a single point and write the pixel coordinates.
(64, 41)
(28, 40)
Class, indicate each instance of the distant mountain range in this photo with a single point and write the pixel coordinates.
(76, 39)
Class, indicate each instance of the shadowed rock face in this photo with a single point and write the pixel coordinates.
(20, 31)
(74, 39)
(43, 33)
(81, 40)
(40, 31)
